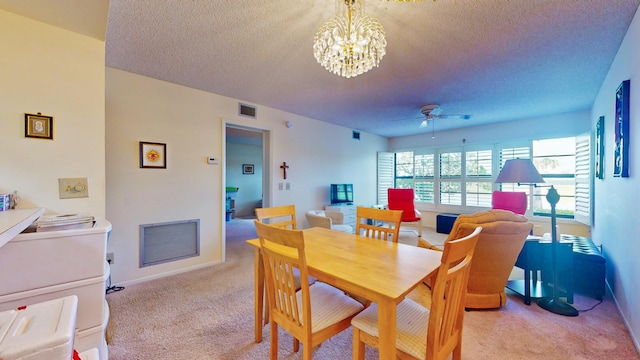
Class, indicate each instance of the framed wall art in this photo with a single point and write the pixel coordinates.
(621, 123)
(247, 169)
(153, 155)
(38, 126)
(599, 161)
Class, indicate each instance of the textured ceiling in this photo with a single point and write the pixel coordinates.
(496, 60)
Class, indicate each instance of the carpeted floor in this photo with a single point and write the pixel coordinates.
(208, 314)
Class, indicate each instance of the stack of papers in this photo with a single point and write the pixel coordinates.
(64, 222)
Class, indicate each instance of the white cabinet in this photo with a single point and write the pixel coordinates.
(349, 212)
(55, 264)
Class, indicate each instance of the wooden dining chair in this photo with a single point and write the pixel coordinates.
(280, 216)
(378, 223)
(312, 314)
(422, 333)
(283, 217)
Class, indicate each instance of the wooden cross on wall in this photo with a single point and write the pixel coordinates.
(284, 168)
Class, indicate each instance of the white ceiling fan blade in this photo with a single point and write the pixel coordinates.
(423, 124)
(455, 116)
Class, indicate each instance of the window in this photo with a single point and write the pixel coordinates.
(424, 177)
(414, 171)
(464, 178)
(404, 170)
(451, 178)
(515, 152)
(555, 160)
(479, 177)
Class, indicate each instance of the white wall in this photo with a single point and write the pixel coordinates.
(61, 74)
(617, 199)
(191, 123)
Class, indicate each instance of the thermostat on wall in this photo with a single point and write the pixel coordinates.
(212, 160)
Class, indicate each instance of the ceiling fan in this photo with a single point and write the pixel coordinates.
(434, 111)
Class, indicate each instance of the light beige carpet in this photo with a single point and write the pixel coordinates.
(208, 314)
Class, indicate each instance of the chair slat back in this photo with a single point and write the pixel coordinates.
(282, 252)
(447, 300)
(279, 216)
(383, 224)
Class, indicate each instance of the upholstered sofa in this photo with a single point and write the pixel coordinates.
(327, 219)
(502, 237)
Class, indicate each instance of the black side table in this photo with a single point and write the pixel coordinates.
(536, 258)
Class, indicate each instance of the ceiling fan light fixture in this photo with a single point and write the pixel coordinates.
(351, 42)
(431, 110)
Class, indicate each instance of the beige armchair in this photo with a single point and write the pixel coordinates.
(502, 237)
(328, 220)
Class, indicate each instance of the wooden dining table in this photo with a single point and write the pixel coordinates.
(383, 272)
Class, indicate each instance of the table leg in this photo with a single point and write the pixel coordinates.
(527, 286)
(258, 292)
(387, 329)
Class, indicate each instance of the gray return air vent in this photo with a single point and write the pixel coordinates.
(246, 111)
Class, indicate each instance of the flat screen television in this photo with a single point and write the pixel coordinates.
(342, 194)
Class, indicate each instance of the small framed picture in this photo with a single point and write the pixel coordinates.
(153, 155)
(38, 126)
(247, 168)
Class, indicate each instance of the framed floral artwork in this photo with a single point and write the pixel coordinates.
(38, 126)
(153, 155)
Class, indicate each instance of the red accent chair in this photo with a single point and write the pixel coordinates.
(508, 200)
(402, 199)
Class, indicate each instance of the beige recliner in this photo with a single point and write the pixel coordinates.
(328, 220)
(502, 237)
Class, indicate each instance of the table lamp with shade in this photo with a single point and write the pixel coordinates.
(523, 172)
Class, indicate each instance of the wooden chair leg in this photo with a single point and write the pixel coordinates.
(307, 350)
(296, 345)
(273, 342)
(457, 352)
(358, 346)
(266, 307)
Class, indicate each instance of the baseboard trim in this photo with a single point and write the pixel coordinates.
(634, 339)
(168, 273)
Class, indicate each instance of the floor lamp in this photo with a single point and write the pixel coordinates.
(523, 172)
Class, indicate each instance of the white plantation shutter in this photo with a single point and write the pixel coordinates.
(386, 165)
(583, 180)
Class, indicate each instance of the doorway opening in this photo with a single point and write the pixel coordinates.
(246, 174)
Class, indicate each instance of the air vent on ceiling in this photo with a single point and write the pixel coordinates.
(355, 135)
(247, 111)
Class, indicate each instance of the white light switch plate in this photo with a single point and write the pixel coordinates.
(73, 188)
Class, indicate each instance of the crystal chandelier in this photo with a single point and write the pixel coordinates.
(351, 42)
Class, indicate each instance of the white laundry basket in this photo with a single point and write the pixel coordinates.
(42, 331)
(91, 354)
